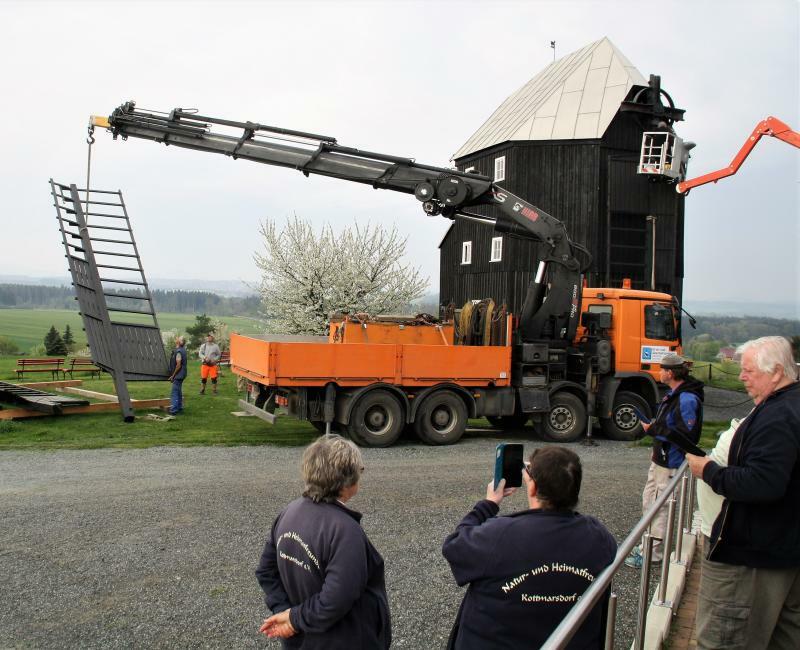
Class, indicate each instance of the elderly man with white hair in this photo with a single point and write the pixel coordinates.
(750, 582)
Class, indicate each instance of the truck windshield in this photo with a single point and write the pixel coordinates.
(659, 322)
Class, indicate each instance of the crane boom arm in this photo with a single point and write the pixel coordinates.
(771, 127)
(444, 191)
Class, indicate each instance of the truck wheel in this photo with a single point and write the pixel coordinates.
(624, 423)
(566, 421)
(441, 419)
(508, 422)
(376, 420)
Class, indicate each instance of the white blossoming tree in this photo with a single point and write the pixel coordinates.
(307, 276)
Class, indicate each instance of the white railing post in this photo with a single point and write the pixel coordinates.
(611, 621)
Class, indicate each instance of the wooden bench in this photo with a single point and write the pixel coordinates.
(225, 359)
(83, 364)
(53, 366)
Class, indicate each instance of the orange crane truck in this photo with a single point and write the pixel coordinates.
(573, 353)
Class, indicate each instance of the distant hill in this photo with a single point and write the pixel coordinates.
(176, 301)
(733, 330)
(220, 287)
(752, 309)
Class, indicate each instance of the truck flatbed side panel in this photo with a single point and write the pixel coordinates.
(310, 364)
(250, 357)
(358, 364)
(388, 333)
(424, 365)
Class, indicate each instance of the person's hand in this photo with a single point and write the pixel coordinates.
(697, 464)
(645, 425)
(278, 626)
(500, 492)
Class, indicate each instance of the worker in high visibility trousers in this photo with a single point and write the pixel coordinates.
(209, 356)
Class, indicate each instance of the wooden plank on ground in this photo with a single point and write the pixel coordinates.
(40, 385)
(144, 404)
(104, 397)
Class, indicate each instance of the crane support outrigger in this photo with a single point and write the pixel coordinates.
(572, 354)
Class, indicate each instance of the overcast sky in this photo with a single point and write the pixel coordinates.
(403, 78)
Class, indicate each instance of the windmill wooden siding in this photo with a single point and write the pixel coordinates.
(590, 185)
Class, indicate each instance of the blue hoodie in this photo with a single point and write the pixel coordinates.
(319, 562)
(525, 572)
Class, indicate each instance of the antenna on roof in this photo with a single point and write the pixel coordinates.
(553, 45)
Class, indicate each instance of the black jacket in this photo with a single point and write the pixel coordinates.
(525, 572)
(759, 524)
(680, 414)
(319, 562)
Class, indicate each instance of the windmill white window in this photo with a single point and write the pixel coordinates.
(466, 252)
(497, 249)
(499, 169)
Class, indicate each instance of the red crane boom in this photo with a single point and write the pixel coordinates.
(771, 126)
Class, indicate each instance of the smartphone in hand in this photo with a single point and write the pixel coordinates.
(508, 464)
(642, 417)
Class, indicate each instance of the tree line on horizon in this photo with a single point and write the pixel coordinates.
(180, 301)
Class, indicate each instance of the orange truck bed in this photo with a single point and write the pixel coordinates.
(276, 363)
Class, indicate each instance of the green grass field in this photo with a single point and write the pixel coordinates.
(207, 420)
(27, 327)
(719, 375)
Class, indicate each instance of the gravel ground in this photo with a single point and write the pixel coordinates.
(156, 547)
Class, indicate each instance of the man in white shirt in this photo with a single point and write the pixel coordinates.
(209, 355)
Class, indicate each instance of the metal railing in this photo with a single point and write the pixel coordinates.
(595, 593)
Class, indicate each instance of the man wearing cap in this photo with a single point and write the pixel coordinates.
(680, 414)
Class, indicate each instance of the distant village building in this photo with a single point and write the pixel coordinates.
(569, 142)
(726, 354)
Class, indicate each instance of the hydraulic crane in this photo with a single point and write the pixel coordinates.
(551, 307)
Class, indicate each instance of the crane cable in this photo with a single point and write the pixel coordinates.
(90, 142)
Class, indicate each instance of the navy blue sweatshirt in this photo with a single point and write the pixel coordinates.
(759, 525)
(319, 562)
(525, 572)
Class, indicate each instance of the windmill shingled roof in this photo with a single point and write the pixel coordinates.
(575, 97)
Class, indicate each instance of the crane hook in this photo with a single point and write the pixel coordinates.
(90, 138)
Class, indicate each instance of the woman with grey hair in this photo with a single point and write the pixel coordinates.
(321, 576)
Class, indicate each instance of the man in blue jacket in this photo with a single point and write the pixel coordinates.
(526, 571)
(749, 594)
(177, 373)
(679, 415)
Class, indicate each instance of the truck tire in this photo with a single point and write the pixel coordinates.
(508, 422)
(377, 419)
(624, 424)
(441, 419)
(566, 421)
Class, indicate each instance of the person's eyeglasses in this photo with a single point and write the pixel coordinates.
(527, 465)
